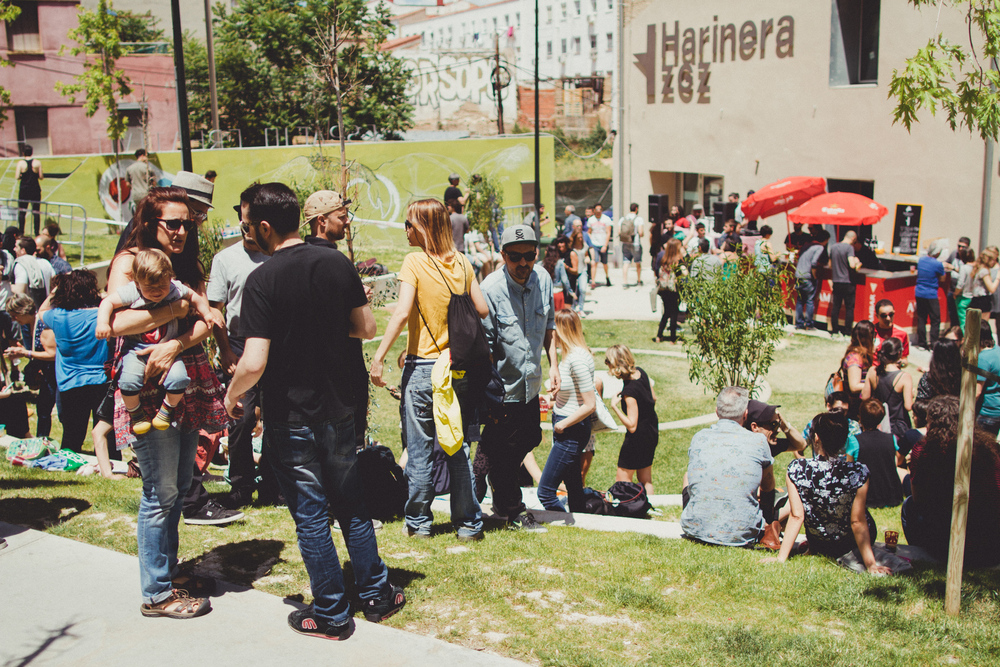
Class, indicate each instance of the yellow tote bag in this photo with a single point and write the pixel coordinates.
(447, 411)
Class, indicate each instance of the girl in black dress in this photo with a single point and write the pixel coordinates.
(638, 418)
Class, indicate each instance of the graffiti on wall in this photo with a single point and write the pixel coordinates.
(442, 79)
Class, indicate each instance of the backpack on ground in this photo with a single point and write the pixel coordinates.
(385, 490)
(595, 502)
(629, 499)
(626, 231)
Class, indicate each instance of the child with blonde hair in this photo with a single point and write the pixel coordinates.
(153, 286)
(639, 417)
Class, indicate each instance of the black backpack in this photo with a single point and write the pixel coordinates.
(595, 502)
(385, 490)
(629, 500)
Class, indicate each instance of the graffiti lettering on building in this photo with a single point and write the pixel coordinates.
(687, 56)
(438, 79)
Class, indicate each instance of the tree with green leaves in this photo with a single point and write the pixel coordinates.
(484, 204)
(735, 318)
(8, 12)
(141, 28)
(285, 63)
(959, 79)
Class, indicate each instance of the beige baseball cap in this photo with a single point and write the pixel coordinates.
(322, 202)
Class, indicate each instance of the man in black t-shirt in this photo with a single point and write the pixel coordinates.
(299, 309)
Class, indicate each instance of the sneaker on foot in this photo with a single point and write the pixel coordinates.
(474, 537)
(383, 607)
(304, 622)
(213, 514)
(237, 498)
(410, 532)
(526, 522)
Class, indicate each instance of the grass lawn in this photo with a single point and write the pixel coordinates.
(575, 597)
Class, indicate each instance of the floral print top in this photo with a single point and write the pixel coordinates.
(827, 489)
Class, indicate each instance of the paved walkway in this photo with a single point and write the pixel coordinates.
(69, 603)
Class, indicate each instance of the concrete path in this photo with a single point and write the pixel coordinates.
(68, 603)
(630, 302)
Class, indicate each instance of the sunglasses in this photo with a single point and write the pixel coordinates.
(887, 316)
(408, 225)
(518, 256)
(174, 224)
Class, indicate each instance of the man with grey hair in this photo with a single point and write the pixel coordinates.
(726, 466)
(931, 274)
(570, 218)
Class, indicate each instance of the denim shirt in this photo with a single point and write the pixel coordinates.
(519, 317)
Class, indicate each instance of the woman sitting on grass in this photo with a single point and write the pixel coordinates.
(575, 402)
(856, 362)
(828, 495)
(638, 417)
(889, 384)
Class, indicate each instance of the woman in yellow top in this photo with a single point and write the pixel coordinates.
(427, 280)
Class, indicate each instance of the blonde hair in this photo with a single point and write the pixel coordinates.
(431, 221)
(986, 259)
(21, 304)
(152, 267)
(569, 330)
(620, 361)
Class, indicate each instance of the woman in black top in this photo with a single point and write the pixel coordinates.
(638, 418)
(889, 384)
(29, 192)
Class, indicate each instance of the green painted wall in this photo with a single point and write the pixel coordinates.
(384, 178)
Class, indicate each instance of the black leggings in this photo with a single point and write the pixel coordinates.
(75, 409)
(671, 310)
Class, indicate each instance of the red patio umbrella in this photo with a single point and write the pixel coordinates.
(839, 208)
(782, 195)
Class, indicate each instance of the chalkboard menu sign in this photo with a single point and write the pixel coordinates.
(906, 233)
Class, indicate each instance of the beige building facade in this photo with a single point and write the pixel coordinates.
(724, 97)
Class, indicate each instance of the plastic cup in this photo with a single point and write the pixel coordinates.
(891, 540)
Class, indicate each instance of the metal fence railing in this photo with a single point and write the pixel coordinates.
(72, 219)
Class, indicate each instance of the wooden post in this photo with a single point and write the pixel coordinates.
(963, 465)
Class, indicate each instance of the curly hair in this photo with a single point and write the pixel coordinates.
(75, 290)
(944, 376)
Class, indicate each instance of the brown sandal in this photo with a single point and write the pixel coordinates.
(177, 605)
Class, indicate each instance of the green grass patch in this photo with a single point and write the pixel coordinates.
(574, 597)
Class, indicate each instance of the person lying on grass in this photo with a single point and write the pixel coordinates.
(828, 495)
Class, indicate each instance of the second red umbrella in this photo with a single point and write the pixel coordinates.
(839, 208)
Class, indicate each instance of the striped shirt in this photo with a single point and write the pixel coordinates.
(576, 377)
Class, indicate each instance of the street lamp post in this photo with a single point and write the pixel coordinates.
(538, 175)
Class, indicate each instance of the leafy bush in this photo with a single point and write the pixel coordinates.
(484, 204)
(735, 319)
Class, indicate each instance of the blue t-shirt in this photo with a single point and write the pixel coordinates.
(80, 354)
(929, 269)
(990, 360)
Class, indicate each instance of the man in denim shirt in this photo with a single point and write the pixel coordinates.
(520, 324)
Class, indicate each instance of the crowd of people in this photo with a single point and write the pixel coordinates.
(290, 361)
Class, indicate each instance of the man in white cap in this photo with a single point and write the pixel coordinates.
(520, 324)
(329, 221)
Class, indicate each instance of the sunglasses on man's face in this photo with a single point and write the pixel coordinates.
(887, 315)
(518, 256)
(174, 224)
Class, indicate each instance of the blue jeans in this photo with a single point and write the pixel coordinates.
(416, 412)
(563, 465)
(805, 305)
(316, 468)
(166, 459)
(989, 424)
(134, 369)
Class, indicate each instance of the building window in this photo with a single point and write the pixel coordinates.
(495, 25)
(31, 125)
(506, 19)
(854, 32)
(22, 32)
(564, 46)
(548, 49)
(576, 3)
(611, 41)
(576, 45)
(593, 5)
(593, 42)
(563, 9)
(548, 14)
(611, 4)
(517, 19)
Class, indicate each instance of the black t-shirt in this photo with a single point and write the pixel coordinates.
(452, 192)
(642, 392)
(301, 300)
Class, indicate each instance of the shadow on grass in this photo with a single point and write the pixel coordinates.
(14, 484)
(41, 513)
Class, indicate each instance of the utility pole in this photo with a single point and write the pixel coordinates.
(620, 200)
(210, 44)
(498, 88)
(182, 103)
(538, 170)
